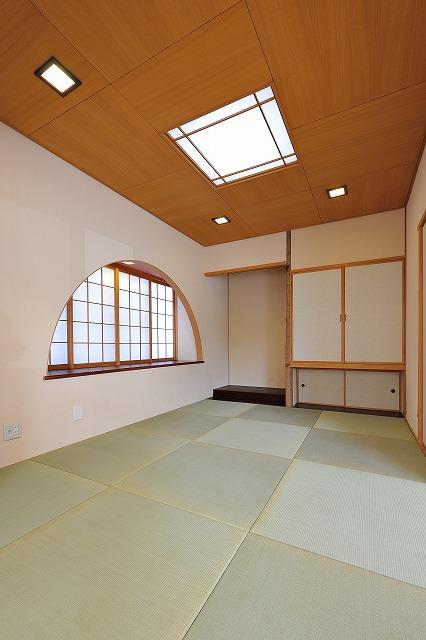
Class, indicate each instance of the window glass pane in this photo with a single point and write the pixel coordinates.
(96, 276)
(169, 322)
(169, 293)
(154, 305)
(275, 121)
(169, 308)
(134, 284)
(290, 159)
(161, 322)
(196, 156)
(95, 312)
(95, 353)
(95, 292)
(154, 320)
(108, 333)
(79, 311)
(63, 315)
(161, 306)
(124, 334)
(79, 330)
(161, 291)
(135, 334)
(60, 334)
(144, 284)
(252, 172)
(108, 276)
(81, 353)
(154, 289)
(134, 318)
(145, 352)
(124, 280)
(228, 146)
(145, 335)
(58, 353)
(154, 351)
(135, 352)
(145, 303)
(109, 353)
(124, 352)
(154, 336)
(134, 301)
(81, 292)
(95, 333)
(108, 295)
(123, 298)
(108, 315)
(161, 335)
(162, 351)
(170, 353)
(264, 94)
(145, 318)
(124, 316)
(169, 336)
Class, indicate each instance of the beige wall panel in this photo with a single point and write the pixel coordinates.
(316, 315)
(372, 390)
(374, 313)
(257, 307)
(321, 386)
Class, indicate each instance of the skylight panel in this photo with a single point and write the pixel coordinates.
(243, 138)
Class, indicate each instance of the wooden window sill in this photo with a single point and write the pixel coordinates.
(91, 371)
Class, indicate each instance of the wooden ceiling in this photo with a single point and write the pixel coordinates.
(349, 75)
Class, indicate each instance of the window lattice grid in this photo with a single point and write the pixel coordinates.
(162, 318)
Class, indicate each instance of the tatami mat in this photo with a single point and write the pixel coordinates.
(285, 415)
(111, 456)
(382, 426)
(400, 458)
(218, 408)
(226, 484)
(262, 437)
(371, 521)
(180, 423)
(118, 567)
(272, 591)
(32, 494)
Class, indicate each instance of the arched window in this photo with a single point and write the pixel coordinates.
(119, 315)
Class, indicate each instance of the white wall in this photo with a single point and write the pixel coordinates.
(57, 225)
(416, 206)
(245, 253)
(257, 307)
(380, 235)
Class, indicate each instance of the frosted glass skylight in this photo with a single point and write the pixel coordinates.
(238, 140)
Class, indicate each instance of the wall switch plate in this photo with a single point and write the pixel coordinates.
(78, 412)
(12, 431)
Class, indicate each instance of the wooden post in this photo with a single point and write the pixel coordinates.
(288, 328)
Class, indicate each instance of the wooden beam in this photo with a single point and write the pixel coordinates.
(253, 267)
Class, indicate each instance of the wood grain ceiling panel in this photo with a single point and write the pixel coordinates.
(371, 193)
(27, 40)
(283, 182)
(280, 214)
(218, 63)
(375, 136)
(105, 137)
(331, 55)
(118, 35)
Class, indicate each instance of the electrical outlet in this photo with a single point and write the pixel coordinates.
(12, 431)
(78, 412)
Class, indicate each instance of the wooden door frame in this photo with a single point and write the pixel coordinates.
(420, 376)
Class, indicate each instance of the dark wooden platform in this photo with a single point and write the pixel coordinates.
(255, 395)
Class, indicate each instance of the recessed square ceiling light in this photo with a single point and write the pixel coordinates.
(221, 220)
(54, 74)
(337, 191)
(238, 140)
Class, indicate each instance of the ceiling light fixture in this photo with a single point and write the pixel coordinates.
(241, 139)
(221, 220)
(127, 262)
(56, 76)
(337, 192)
